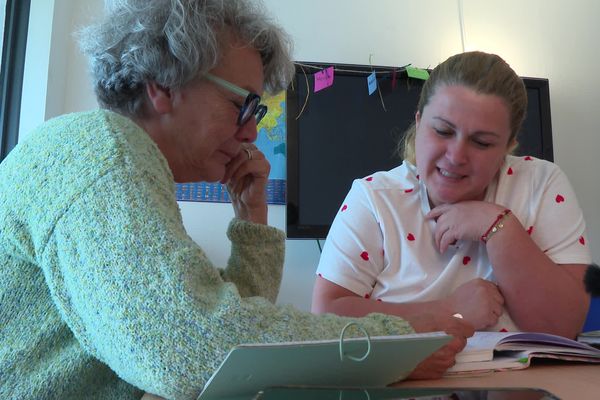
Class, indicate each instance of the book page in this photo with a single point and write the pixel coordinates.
(480, 347)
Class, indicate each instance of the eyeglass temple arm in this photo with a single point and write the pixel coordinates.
(228, 85)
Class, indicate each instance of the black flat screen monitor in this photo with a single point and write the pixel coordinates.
(342, 133)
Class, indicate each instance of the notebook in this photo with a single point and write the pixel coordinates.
(496, 351)
(348, 363)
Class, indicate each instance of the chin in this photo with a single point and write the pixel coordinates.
(438, 199)
(211, 175)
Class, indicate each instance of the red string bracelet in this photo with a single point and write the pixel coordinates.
(496, 226)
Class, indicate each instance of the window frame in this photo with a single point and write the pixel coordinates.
(11, 74)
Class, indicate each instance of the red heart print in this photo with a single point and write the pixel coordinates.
(528, 158)
(367, 296)
(379, 300)
(559, 198)
(418, 177)
(410, 237)
(530, 229)
(408, 190)
(582, 240)
(466, 260)
(344, 208)
(510, 171)
(364, 255)
(369, 179)
(503, 330)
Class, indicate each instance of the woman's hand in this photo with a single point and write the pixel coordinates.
(246, 178)
(478, 301)
(436, 364)
(467, 220)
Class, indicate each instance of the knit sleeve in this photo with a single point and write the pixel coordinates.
(142, 297)
(256, 261)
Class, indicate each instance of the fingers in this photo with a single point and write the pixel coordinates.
(435, 365)
(248, 155)
(436, 212)
(444, 235)
(249, 161)
(446, 239)
(460, 329)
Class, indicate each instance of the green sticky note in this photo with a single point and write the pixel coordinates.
(417, 73)
(523, 360)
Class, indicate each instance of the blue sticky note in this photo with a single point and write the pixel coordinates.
(372, 82)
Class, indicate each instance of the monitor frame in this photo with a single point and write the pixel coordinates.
(296, 230)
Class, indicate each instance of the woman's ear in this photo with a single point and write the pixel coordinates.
(417, 119)
(161, 98)
(512, 146)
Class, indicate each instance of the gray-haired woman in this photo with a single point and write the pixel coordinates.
(103, 293)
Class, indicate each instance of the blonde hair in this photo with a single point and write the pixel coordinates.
(484, 73)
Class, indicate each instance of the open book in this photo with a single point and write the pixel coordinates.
(496, 351)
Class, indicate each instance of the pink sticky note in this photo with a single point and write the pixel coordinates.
(323, 79)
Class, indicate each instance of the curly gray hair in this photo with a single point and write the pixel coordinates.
(171, 42)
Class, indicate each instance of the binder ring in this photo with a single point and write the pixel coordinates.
(366, 392)
(353, 358)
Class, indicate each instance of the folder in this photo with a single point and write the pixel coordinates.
(371, 362)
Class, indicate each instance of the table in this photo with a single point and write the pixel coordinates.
(568, 381)
(565, 380)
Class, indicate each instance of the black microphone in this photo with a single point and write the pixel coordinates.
(592, 280)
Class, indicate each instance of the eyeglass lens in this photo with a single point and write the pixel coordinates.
(252, 107)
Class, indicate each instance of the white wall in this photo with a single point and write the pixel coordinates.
(543, 38)
(2, 18)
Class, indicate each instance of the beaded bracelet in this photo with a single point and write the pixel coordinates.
(496, 226)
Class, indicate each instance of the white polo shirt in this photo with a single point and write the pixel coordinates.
(380, 245)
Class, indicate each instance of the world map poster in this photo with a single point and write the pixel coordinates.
(271, 141)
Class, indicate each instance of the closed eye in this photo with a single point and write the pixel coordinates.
(482, 144)
(443, 133)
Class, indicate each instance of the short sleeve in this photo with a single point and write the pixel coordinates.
(353, 253)
(559, 227)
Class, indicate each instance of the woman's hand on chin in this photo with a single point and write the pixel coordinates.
(465, 220)
(246, 178)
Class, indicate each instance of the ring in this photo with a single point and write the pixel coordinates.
(249, 153)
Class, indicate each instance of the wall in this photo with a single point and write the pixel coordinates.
(544, 39)
(55, 79)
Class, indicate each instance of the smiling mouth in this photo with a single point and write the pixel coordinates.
(448, 174)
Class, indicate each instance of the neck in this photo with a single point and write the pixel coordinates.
(153, 128)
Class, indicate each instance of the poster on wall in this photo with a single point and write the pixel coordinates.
(271, 141)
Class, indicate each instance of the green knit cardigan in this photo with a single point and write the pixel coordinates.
(103, 295)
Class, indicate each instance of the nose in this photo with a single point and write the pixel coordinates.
(247, 133)
(456, 152)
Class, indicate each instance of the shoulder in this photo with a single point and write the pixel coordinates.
(395, 191)
(101, 140)
(530, 170)
(72, 152)
(526, 183)
(402, 177)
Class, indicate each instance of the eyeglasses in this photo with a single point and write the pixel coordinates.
(251, 107)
